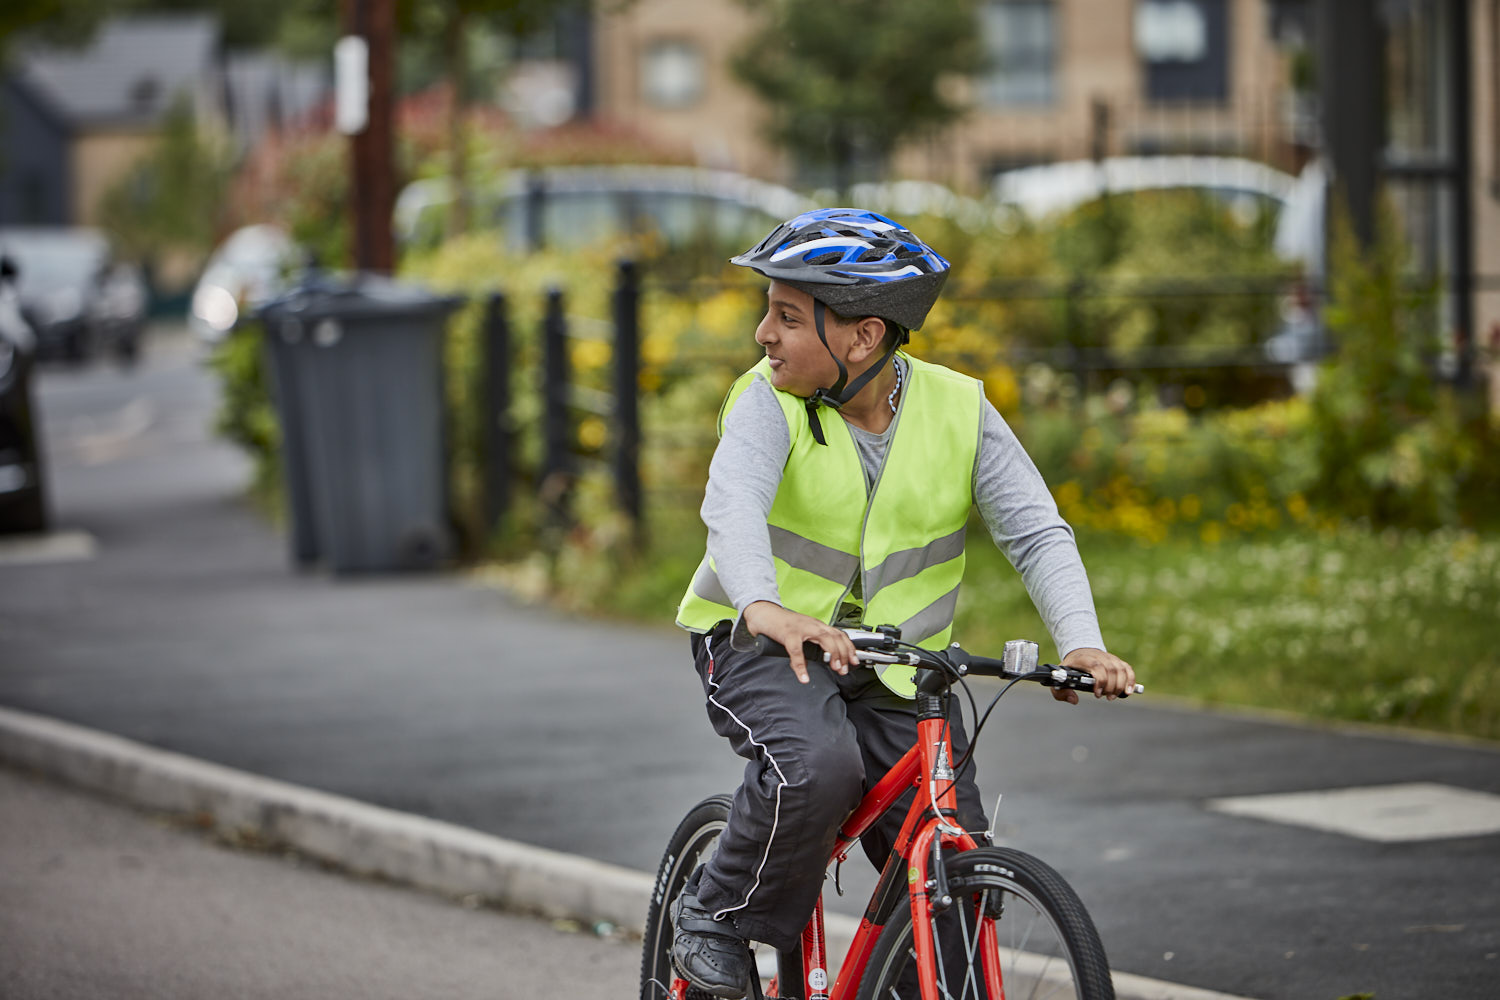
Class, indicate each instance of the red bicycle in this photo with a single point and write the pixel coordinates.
(978, 922)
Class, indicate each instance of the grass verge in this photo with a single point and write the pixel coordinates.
(1352, 624)
(1373, 627)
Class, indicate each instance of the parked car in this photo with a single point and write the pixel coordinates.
(118, 311)
(22, 505)
(577, 206)
(75, 297)
(251, 267)
(1246, 186)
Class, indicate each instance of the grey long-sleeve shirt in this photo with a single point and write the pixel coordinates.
(1013, 500)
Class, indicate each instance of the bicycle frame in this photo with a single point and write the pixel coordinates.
(910, 856)
(912, 852)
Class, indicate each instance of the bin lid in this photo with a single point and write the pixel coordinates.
(356, 296)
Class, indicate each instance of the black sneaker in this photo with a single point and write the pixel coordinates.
(709, 953)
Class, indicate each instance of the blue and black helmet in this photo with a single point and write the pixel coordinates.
(858, 263)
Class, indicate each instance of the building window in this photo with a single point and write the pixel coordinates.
(1184, 49)
(672, 73)
(1020, 37)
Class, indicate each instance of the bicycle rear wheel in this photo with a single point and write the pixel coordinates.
(1047, 945)
(691, 844)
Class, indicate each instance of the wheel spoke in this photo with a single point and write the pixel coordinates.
(1052, 953)
(971, 951)
(937, 948)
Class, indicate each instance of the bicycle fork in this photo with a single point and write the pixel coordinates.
(927, 877)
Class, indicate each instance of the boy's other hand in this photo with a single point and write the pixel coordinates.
(1112, 675)
(792, 629)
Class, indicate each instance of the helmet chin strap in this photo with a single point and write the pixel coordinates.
(837, 395)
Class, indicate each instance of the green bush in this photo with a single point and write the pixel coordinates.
(246, 415)
(1393, 445)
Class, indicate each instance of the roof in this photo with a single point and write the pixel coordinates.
(131, 71)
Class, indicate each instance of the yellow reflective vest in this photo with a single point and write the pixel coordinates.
(902, 538)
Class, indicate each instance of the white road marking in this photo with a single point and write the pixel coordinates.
(59, 546)
(1383, 813)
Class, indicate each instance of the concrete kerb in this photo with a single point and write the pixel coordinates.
(369, 840)
(351, 835)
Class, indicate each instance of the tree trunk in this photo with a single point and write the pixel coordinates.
(456, 51)
(841, 148)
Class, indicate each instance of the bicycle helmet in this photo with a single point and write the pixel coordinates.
(857, 263)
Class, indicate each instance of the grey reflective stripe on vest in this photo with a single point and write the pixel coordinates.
(792, 549)
(932, 619)
(813, 557)
(909, 562)
(707, 586)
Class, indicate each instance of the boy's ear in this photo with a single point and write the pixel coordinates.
(869, 335)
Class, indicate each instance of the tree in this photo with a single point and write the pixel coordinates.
(850, 80)
(450, 22)
(56, 22)
(172, 200)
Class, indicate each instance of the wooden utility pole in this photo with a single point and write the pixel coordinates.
(372, 150)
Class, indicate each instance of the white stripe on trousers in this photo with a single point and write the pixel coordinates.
(776, 816)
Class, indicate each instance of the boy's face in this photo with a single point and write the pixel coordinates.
(800, 364)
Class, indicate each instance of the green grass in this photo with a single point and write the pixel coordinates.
(1355, 625)
(1383, 627)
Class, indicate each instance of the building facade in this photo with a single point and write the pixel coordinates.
(1070, 78)
(111, 98)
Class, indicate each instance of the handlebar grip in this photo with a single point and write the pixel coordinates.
(1079, 680)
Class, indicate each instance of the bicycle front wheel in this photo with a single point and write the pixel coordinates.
(1047, 945)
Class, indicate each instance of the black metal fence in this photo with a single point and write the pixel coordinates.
(563, 397)
(1070, 333)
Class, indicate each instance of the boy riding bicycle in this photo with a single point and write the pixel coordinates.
(839, 495)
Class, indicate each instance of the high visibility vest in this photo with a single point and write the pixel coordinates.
(903, 536)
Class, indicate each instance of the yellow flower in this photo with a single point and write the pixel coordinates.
(592, 432)
(1190, 507)
(1002, 388)
(1211, 533)
(589, 355)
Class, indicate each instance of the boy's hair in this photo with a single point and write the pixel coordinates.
(895, 335)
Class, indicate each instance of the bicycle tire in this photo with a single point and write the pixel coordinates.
(691, 844)
(1047, 944)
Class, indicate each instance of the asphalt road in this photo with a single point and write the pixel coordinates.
(186, 629)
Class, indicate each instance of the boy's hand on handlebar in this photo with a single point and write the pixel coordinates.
(1112, 675)
(792, 629)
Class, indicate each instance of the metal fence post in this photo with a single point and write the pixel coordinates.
(535, 218)
(627, 381)
(495, 430)
(1073, 325)
(556, 436)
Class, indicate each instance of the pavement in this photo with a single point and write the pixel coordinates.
(433, 731)
(101, 900)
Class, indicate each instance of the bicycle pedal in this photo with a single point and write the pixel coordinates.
(693, 993)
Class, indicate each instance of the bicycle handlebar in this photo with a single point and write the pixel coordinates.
(1018, 664)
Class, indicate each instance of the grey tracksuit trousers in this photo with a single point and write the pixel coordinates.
(813, 750)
